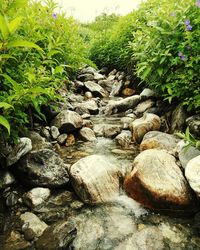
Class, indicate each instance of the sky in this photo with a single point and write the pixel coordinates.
(87, 10)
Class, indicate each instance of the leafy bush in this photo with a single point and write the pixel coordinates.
(39, 51)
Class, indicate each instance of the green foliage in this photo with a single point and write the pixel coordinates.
(189, 138)
(39, 51)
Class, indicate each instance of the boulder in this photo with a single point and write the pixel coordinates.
(22, 148)
(148, 93)
(6, 179)
(85, 77)
(126, 121)
(88, 70)
(193, 123)
(87, 134)
(95, 179)
(36, 197)
(16, 241)
(192, 174)
(158, 183)
(32, 226)
(143, 106)
(62, 139)
(42, 168)
(128, 92)
(58, 236)
(96, 89)
(90, 106)
(106, 84)
(67, 121)
(39, 142)
(159, 140)
(98, 76)
(178, 119)
(54, 132)
(116, 88)
(149, 122)
(187, 153)
(113, 72)
(124, 138)
(110, 131)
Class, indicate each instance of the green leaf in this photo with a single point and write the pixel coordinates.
(5, 105)
(7, 56)
(4, 122)
(15, 85)
(146, 72)
(14, 24)
(4, 27)
(23, 43)
(160, 71)
(187, 133)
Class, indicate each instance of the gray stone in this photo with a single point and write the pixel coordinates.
(159, 140)
(22, 148)
(113, 72)
(54, 132)
(62, 139)
(88, 70)
(110, 131)
(36, 196)
(194, 124)
(6, 179)
(95, 179)
(192, 174)
(32, 226)
(87, 134)
(88, 95)
(85, 77)
(148, 93)
(90, 106)
(106, 84)
(96, 89)
(126, 121)
(98, 77)
(186, 154)
(67, 121)
(42, 168)
(143, 106)
(158, 183)
(149, 122)
(178, 119)
(116, 88)
(46, 133)
(38, 142)
(124, 138)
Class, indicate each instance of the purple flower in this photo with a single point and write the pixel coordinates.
(198, 3)
(187, 22)
(183, 58)
(54, 15)
(189, 27)
(188, 47)
(173, 14)
(180, 54)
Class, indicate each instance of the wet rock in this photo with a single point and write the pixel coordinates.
(90, 106)
(87, 134)
(15, 241)
(192, 174)
(194, 124)
(158, 183)
(54, 132)
(124, 138)
(128, 92)
(46, 133)
(140, 127)
(99, 129)
(126, 121)
(42, 168)
(6, 179)
(85, 77)
(116, 88)
(95, 179)
(98, 76)
(36, 197)
(106, 84)
(96, 89)
(58, 236)
(187, 153)
(110, 131)
(148, 93)
(22, 148)
(123, 104)
(178, 119)
(38, 142)
(70, 140)
(143, 106)
(32, 226)
(67, 121)
(88, 123)
(62, 139)
(159, 140)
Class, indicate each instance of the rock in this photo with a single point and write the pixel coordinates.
(178, 119)
(111, 77)
(113, 72)
(62, 139)
(143, 106)
(67, 121)
(15, 241)
(123, 105)
(99, 129)
(87, 134)
(186, 154)
(88, 95)
(54, 132)
(141, 126)
(85, 77)
(96, 89)
(38, 142)
(32, 226)
(42, 168)
(110, 131)
(116, 88)
(70, 140)
(103, 71)
(90, 106)
(193, 123)
(57, 236)
(98, 76)
(88, 70)
(79, 86)
(6, 179)
(22, 148)
(46, 133)
(124, 138)
(192, 174)
(95, 179)
(87, 123)
(36, 196)
(126, 122)
(148, 93)
(159, 140)
(128, 92)
(158, 183)
(106, 84)
(11, 199)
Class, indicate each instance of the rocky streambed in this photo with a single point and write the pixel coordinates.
(107, 173)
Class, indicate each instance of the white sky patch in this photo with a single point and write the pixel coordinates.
(87, 10)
